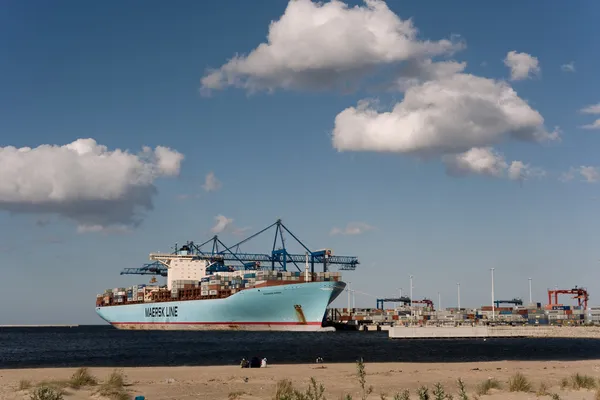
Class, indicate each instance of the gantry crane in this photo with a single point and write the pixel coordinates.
(425, 301)
(581, 294)
(224, 258)
(516, 302)
(403, 299)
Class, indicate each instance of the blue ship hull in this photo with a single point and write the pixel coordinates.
(291, 307)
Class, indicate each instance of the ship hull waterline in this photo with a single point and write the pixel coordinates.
(291, 307)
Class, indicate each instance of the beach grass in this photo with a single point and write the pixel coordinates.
(580, 381)
(484, 387)
(519, 383)
(46, 393)
(24, 384)
(114, 387)
(82, 377)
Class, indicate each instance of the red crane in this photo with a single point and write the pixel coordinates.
(581, 294)
(424, 301)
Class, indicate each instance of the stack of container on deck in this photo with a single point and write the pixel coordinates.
(219, 285)
(131, 294)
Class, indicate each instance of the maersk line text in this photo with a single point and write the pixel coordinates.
(161, 311)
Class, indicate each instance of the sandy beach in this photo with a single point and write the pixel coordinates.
(229, 382)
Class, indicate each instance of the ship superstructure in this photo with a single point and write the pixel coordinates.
(226, 289)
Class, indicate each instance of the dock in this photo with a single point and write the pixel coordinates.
(39, 326)
(472, 332)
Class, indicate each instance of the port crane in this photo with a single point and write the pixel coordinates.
(218, 254)
(581, 294)
(425, 301)
(403, 299)
(516, 302)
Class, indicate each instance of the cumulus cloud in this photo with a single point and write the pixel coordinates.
(445, 111)
(352, 228)
(84, 181)
(519, 171)
(593, 125)
(522, 65)
(221, 224)
(591, 109)
(488, 162)
(211, 183)
(324, 45)
(570, 67)
(415, 72)
(450, 115)
(479, 161)
(588, 173)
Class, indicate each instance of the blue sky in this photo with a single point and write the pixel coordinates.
(129, 75)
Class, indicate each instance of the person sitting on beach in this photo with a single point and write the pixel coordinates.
(245, 363)
(255, 362)
(263, 363)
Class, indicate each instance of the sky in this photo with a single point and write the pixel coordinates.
(426, 139)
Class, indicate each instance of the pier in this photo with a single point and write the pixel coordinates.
(473, 332)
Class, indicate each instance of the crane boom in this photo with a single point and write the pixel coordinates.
(278, 258)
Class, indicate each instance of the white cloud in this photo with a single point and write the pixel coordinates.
(592, 109)
(103, 229)
(522, 65)
(221, 224)
(593, 125)
(415, 72)
(488, 162)
(479, 161)
(588, 173)
(519, 171)
(241, 231)
(567, 176)
(84, 181)
(450, 115)
(570, 67)
(211, 183)
(352, 228)
(167, 160)
(323, 45)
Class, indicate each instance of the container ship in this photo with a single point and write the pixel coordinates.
(203, 293)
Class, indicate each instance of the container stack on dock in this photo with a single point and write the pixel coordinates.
(559, 314)
(536, 315)
(592, 315)
(532, 314)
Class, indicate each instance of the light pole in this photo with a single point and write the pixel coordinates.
(400, 289)
(411, 297)
(458, 285)
(493, 304)
(349, 283)
(530, 298)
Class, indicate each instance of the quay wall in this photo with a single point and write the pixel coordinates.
(401, 332)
